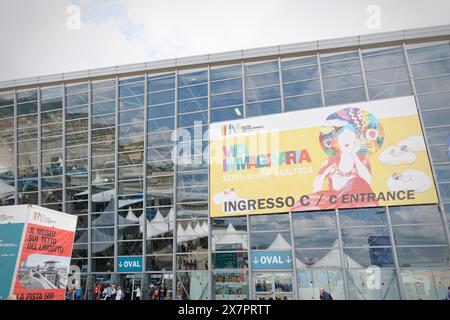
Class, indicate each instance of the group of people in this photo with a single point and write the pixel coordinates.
(73, 293)
(113, 292)
(157, 292)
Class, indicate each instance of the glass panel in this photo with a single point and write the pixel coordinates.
(192, 286)
(386, 75)
(304, 73)
(310, 282)
(302, 102)
(362, 217)
(375, 60)
(435, 101)
(341, 67)
(299, 88)
(324, 238)
(342, 82)
(425, 284)
(436, 118)
(414, 215)
(436, 84)
(131, 89)
(104, 108)
(369, 256)
(428, 53)
(161, 97)
(269, 222)
(161, 111)
(193, 105)
(423, 256)
(419, 235)
(261, 67)
(270, 240)
(193, 92)
(262, 108)
(228, 99)
(317, 219)
(159, 263)
(192, 78)
(226, 86)
(224, 114)
(158, 83)
(344, 96)
(262, 80)
(376, 284)
(390, 90)
(226, 73)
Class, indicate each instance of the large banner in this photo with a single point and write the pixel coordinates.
(348, 156)
(35, 251)
(11, 233)
(45, 260)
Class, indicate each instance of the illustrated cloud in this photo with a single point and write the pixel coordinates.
(409, 180)
(403, 152)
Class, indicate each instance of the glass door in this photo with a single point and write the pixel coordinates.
(283, 286)
(129, 283)
(263, 286)
(273, 286)
(310, 281)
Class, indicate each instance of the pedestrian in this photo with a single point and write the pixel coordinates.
(114, 292)
(325, 295)
(138, 293)
(156, 293)
(151, 290)
(107, 293)
(448, 294)
(119, 293)
(78, 293)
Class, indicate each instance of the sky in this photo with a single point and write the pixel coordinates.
(41, 37)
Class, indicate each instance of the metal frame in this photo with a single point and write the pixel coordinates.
(440, 205)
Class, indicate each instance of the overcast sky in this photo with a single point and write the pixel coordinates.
(42, 37)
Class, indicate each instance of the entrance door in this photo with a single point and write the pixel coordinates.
(310, 281)
(273, 286)
(129, 283)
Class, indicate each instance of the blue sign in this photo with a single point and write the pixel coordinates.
(10, 238)
(129, 264)
(272, 260)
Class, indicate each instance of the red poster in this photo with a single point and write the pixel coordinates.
(44, 263)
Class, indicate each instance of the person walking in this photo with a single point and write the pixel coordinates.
(119, 293)
(325, 295)
(114, 291)
(107, 293)
(138, 293)
(78, 293)
(151, 291)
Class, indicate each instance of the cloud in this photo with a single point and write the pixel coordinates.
(36, 41)
(41, 42)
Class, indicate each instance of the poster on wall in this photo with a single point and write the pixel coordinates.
(347, 156)
(43, 253)
(11, 232)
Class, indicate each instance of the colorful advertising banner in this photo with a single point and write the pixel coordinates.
(42, 252)
(348, 156)
(11, 233)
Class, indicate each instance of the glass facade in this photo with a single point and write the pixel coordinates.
(127, 155)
